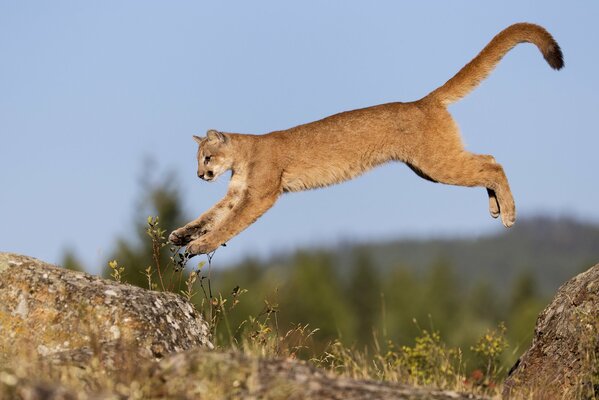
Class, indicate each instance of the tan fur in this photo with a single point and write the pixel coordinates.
(421, 134)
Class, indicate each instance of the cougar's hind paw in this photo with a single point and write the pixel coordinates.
(493, 203)
(494, 211)
(508, 219)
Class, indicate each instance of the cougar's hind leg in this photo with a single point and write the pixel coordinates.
(467, 169)
(493, 203)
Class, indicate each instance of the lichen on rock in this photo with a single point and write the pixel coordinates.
(563, 360)
(48, 310)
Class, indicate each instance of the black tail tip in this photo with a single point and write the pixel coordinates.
(555, 57)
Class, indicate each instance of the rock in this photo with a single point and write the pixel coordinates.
(563, 360)
(213, 375)
(54, 312)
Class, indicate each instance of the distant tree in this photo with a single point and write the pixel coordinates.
(525, 303)
(363, 294)
(71, 261)
(313, 295)
(523, 290)
(159, 197)
(443, 295)
(484, 302)
(403, 295)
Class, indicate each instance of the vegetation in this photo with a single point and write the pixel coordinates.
(350, 309)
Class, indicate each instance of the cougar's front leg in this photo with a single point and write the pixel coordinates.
(253, 204)
(207, 220)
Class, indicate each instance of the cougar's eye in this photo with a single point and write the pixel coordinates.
(207, 159)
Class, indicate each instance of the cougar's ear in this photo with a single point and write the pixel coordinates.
(198, 139)
(216, 136)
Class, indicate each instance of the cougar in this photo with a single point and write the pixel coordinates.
(421, 134)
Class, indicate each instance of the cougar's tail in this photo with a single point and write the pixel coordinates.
(482, 65)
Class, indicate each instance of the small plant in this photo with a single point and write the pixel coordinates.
(488, 350)
(344, 361)
(261, 332)
(189, 292)
(116, 271)
(235, 294)
(177, 260)
(261, 335)
(148, 274)
(156, 233)
(429, 360)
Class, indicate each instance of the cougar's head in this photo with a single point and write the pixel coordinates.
(214, 155)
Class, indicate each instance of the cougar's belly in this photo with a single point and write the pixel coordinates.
(321, 175)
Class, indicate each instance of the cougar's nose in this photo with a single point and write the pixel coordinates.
(201, 176)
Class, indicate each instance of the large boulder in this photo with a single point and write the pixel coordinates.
(563, 360)
(49, 311)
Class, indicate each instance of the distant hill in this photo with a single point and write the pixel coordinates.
(551, 249)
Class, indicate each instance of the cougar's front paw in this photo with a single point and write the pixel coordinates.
(201, 246)
(180, 237)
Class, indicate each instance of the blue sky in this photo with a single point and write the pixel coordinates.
(90, 89)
